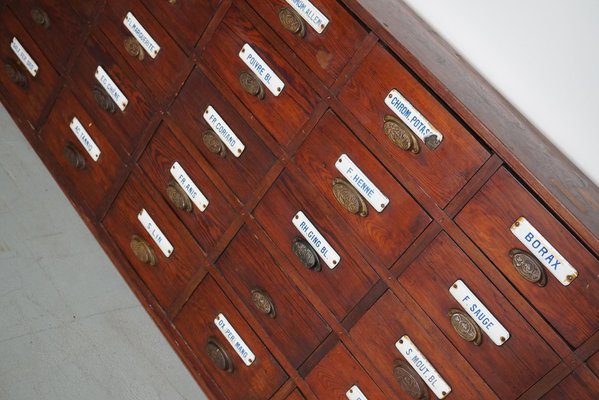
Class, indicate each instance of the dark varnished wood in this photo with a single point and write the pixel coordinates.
(573, 310)
(593, 363)
(87, 8)
(582, 384)
(295, 395)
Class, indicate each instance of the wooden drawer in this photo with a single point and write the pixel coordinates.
(54, 25)
(385, 323)
(196, 323)
(128, 127)
(282, 115)
(162, 72)
(87, 8)
(326, 53)
(242, 174)
(168, 276)
(509, 369)
(580, 385)
(383, 236)
(337, 373)
(573, 310)
(26, 95)
(340, 288)
(93, 181)
(440, 172)
(283, 311)
(158, 162)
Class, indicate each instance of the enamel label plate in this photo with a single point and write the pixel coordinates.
(25, 58)
(310, 14)
(141, 35)
(242, 350)
(361, 183)
(226, 134)
(354, 393)
(111, 88)
(190, 188)
(266, 75)
(316, 240)
(88, 144)
(155, 232)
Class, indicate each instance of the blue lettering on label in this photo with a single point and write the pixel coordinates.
(542, 251)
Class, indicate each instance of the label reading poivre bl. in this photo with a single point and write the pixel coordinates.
(111, 88)
(479, 313)
(150, 226)
(88, 144)
(141, 35)
(316, 240)
(354, 393)
(189, 187)
(544, 251)
(242, 349)
(361, 183)
(423, 367)
(266, 75)
(25, 58)
(312, 15)
(226, 134)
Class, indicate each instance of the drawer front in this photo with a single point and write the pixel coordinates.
(26, 93)
(87, 8)
(385, 323)
(326, 53)
(185, 199)
(580, 385)
(165, 276)
(163, 72)
(128, 127)
(385, 235)
(338, 373)
(340, 288)
(242, 174)
(284, 313)
(282, 115)
(440, 172)
(522, 360)
(74, 147)
(235, 379)
(573, 310)
(54, 26)
(184, 20)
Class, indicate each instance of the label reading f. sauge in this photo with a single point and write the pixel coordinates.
(266, 75)
(316, 240)
(312, 15)
(88, 144)
(141, 35)
(242, 349)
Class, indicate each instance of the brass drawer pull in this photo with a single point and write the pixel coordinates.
(349, 197)
(133, 47)
(40, 17)
(214, 144)
(142, 250)
(172, 2)
(15, 74)
(219, 355)
(104, 100)
(73, 156)
(528, 267)
(410, 381)
(263, 302)
(251, 84)
(400, 135)
(292, 21)
(178, 197)
(465, 327)
(306, 254)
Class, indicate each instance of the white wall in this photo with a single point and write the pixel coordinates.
(542, 55)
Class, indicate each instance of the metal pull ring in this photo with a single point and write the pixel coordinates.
(214, 144)
(349, 197)
(306, 254)
(400, 135)
(528, 267)
(178, 197)
(292, 21)
(40, 17)
(465, 326)
(134, 49)
(409, 380)
(104, 100)
(15, 74)
(73, 156)
(251, 84)
(263, 302)
(219, 356)
(142, 250)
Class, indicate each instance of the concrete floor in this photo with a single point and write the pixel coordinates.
(70, 328)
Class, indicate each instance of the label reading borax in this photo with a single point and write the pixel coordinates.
(316, 240)
(150, 226)
(25, 58)
(242, 350)
(141, 35)
(189, 187)
(111, 88)
(226, 134)
(88, 144)
(312, 15)
(361, 183)
(266, 75)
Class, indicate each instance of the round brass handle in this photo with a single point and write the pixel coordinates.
(263, 302)
(178, 197)
(409, 380)
(465, 326)
(528, 267)
(349, 197)
(15, 74)
(306, 254)
(73, 156)
(251, 84)
(133, 47)
(40, 17)
(219, 355)
(104, 100)
(172, 1)
(214, 144)
(400, 135)
(292, 21)
(142, 250)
